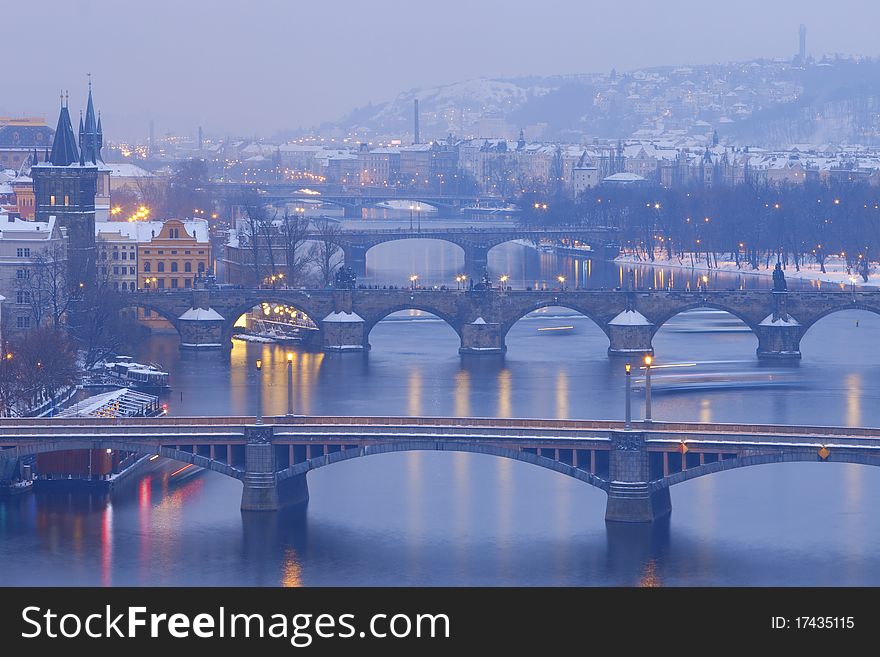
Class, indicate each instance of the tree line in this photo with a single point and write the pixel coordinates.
(753, 225)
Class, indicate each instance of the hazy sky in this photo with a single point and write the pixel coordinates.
(251, 67)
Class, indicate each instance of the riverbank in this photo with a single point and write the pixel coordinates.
(835, 268)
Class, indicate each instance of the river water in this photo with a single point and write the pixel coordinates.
(427, 518)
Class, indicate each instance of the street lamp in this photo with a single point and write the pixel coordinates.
(852, 287)
(705, 281)
(412, 281)
(628, 417)
(259, 412)
(648, 360)
(419, 215)
(504, 278)
(289, 383)
(411, 208)
(561, 280)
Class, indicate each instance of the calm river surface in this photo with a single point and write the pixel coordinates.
(461, 519)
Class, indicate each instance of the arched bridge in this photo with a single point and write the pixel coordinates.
(482, 319)
(474, 242)
(634, 467)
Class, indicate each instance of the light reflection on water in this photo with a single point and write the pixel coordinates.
(438, 518)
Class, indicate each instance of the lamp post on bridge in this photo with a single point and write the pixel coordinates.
(411, 208)
(627, 424)
(648, 360)
(259, 413)
(852, 287)
(289, 383)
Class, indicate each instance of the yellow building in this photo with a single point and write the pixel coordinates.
(172, 255)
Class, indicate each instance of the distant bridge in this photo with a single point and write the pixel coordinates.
(352, 201)
(634, 467)
(475, 242)
(481, 319)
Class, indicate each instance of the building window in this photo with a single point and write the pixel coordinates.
(125, 255)
(187, 266)
(124, 286)
(146, 252)
(160, 252)
(201, 267)
(116, 271)
(22, 297)
(201, 253)
(131, 270)
(187, 282)
(174, 253)
(23, 322)
(174, 282)
(52, 199)
(66, 200)
(23, 253)
(147, 266)
(173, 266)
(186, 252)
(161, 283)
(115, 254)
(22, 274)
(160, 266)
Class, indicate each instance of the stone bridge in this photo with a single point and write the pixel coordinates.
(474, 242)
(204, 318)
(635, 467)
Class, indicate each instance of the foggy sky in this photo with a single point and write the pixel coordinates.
(251, 67)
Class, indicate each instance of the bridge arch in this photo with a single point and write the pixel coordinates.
(371, 321)
(144, 302)
(43, 447)
(386, 448)
(808, 323)
(273, 297)
(803, 456)
(703, 303)
(553, 303)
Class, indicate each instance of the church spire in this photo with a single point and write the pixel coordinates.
(64, 151)
(91, 140)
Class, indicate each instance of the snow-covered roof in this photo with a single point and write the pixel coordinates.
(127, 170)
(779, 321)
(343, 317)
(201, 314)
(144, 231)
(19, 229)
(630, 318)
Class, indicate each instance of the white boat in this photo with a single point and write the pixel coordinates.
(125, 371)
(711, 375)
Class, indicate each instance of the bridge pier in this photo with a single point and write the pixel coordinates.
(476, 261)
(343, 331)
(201, 327)
(779, 334)
(630, 334)
(355, 256)
(354, 211)
(482, 337)
(630, 498)
(262, 491)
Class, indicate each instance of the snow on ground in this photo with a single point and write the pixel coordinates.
(835, 268)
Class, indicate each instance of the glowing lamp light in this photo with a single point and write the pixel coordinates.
(289, 356)
(259, 364)
(648, 361)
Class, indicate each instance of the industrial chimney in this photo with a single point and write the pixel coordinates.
(416, 136)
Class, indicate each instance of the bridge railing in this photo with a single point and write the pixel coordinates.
(427, 421)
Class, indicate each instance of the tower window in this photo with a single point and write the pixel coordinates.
(66, 199)
(52, 199)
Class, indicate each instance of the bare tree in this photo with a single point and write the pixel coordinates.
(293, 231)
(104, 329)
(254, 231)
(45, 286)
(325, 247)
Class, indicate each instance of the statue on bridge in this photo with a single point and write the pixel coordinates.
(346, 279)
(779, 279)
